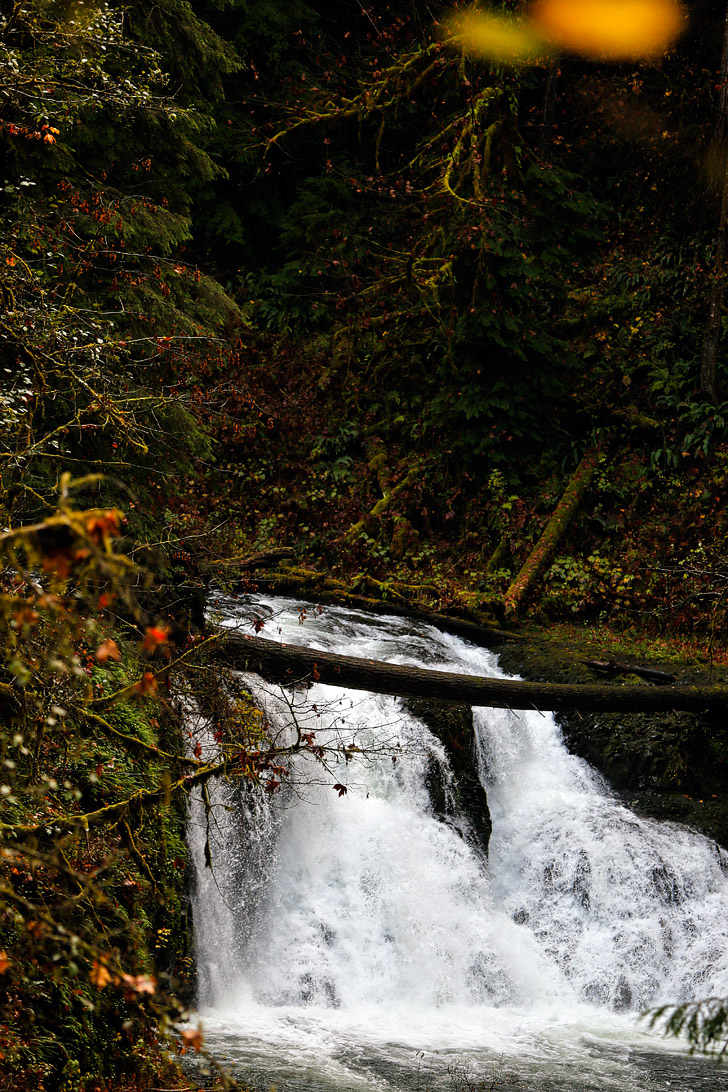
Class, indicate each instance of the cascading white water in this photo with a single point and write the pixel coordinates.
(337, 934)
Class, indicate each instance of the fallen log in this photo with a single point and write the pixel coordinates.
(614, 667)
(260, 560)
(292, 663)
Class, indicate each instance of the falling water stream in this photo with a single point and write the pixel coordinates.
(364, 941)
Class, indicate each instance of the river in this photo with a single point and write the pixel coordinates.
(359, 940)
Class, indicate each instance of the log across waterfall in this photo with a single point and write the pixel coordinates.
(289, 662)
(341, 936)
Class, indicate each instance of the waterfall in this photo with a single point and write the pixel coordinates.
(332, 918)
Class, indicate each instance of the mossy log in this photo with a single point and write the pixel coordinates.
(260, 560)
(554, 530)
(498, 557)
(327, 590)
(291, 663)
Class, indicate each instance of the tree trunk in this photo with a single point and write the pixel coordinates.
(549, 107)
(721, 128)
(291, 663)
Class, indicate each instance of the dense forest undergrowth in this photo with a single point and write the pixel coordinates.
(309, 276)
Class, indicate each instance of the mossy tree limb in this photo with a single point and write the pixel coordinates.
(382, 505)
(554, 530)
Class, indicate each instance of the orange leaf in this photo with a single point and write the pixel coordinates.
(193, 1037)
(139, 983)
(58, 562)
(147, 684)
(100, 975)
(103, 526)
(26, 616)
(4, 962)
(108, 650)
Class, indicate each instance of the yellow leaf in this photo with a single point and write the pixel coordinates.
(617, 30)
(498, 37)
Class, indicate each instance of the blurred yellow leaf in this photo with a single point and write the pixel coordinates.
(613, 30)
(616, 30)
(499, 37)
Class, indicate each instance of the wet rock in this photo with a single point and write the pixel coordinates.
(460, 799)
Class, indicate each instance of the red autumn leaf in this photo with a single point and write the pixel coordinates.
(147, 684)
(4, 962)
(341, 789)
(154, 636)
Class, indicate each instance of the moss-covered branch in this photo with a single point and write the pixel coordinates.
(554, 531)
